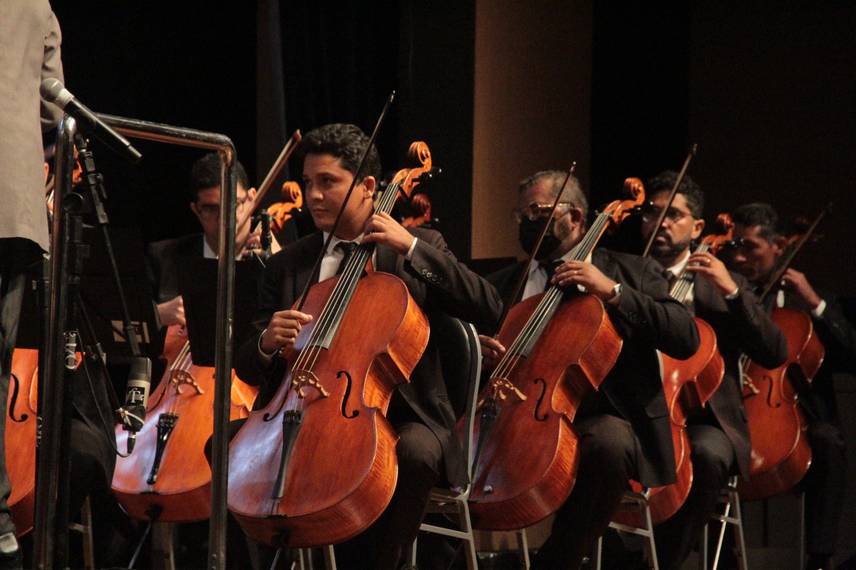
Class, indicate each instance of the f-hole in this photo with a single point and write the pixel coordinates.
(14, 400)
(770, 394)
(543, 384)
(345, 413)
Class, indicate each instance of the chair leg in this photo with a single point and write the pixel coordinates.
(651, 545)
(470, 541)
(88, 544)
(329, 557)
(742, 554)
(523, 544)
(597, 555)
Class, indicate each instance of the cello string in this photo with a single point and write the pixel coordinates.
(342, 293)
(553, 296)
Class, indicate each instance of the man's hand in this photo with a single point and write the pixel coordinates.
(383, 229)
(796, 281)
(172, 312)
(492, 350)
(713, 270)
(282, 330)
(587, 275)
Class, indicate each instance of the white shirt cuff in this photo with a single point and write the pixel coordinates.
(267, 357)
(818, 311)
(409, 255)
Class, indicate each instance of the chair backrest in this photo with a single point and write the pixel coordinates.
(460, 359)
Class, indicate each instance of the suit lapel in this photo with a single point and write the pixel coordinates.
(304, 264)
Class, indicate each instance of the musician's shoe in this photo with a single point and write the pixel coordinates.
(11, 560)
(10, 552)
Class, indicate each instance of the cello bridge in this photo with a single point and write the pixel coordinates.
(178, 378)
(747, 383)
(301, 379)
(501, 388)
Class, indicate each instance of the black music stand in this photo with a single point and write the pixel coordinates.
(197, 284)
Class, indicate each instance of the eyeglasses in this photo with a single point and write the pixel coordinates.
(213, 210)
(651, 213)
(535, 211)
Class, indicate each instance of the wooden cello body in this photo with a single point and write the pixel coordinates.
(342, 467)
(687, 385)
(167, 478)
(21, 420)
(558, 352)
(527, 467)
(781, 453)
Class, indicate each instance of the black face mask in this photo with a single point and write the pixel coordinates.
(528, 232)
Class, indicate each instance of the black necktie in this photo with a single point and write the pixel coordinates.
(550, 267)
(348, 248)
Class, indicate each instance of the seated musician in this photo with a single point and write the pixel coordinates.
(719, 435)
(166, 256)
(420, 411)
(761, 247)
(624, 428)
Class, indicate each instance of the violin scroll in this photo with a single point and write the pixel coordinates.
(409, 178)
(722, 235)
(620, 209)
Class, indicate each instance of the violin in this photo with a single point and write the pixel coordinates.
(317, 465)
(781, 453)
(167, 478)
(687, 386)
(558, 352)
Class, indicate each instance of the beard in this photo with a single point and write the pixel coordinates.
(668, 250)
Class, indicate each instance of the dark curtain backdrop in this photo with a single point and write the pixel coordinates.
(341, 65)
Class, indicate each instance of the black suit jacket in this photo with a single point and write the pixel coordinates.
(742, 325)
(435, 280)
(838, 336)
(648, 319)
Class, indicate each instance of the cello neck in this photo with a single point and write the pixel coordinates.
(685, 283)
(334, 309)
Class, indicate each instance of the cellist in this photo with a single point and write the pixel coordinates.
(719, 435)
(419, 411)
(760, 247)
(624, 429)
(164, 257)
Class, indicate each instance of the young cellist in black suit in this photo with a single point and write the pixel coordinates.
(428, 451)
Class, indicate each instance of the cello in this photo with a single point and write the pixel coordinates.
(558, 352)
(781, 454)
(167, 478)
(21, 420)
(687, 385)
(292, 482)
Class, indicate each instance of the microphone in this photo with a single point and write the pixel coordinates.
(133, 412)
(53, 91)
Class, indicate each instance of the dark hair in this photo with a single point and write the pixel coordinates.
(665, 181)
(345, 142)
(205, 174)
(573, 191)
(761, 215)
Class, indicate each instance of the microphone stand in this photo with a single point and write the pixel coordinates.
(50, 545)
(63, 341)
